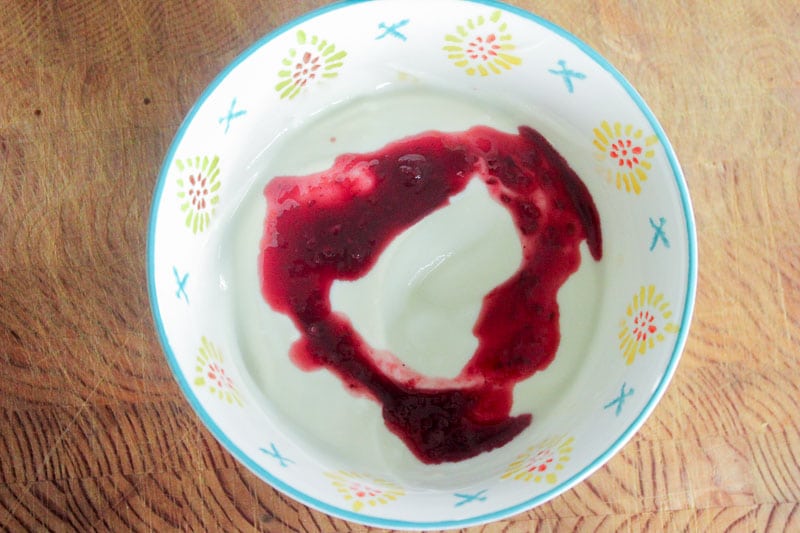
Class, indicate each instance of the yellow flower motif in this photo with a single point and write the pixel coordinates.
(482, 46)
(363, 490)
(211, 373)
(198, 184)
(646, 321)
(542, 461)
(313, 59)
(627, 152)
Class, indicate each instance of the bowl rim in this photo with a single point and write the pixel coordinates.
(561, 487)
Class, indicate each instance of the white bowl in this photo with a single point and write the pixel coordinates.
(350, 78)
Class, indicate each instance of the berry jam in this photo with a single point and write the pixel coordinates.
(334, 225)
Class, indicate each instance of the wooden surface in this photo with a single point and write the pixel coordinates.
(94, 433)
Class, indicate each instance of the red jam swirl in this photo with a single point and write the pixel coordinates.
(334, 225)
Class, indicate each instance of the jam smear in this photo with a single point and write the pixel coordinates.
(333, 225)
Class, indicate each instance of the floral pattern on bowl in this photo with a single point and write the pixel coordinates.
(484, 48)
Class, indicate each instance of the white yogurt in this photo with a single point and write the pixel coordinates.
(419, 302)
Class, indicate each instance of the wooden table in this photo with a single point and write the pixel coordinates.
(94, 432)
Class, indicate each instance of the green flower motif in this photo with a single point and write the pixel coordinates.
(482, 46)
(211, 373)
(198, 184)
(312, 59)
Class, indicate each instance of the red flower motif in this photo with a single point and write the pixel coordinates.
(625, 152)
(198, 191)
(364, 491)
(306, 69)
(483, 48)
(541, 461)
(217, 373)
(644, 325)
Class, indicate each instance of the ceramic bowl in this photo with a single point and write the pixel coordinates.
(350, 78)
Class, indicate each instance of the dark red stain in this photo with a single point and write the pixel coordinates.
(334, 225)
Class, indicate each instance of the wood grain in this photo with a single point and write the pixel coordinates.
(94, 433)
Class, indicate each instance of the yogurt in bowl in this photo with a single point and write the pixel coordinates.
(422, 267)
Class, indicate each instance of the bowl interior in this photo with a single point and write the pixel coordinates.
(352, 78)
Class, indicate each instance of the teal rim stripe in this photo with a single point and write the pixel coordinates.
(478, 519)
